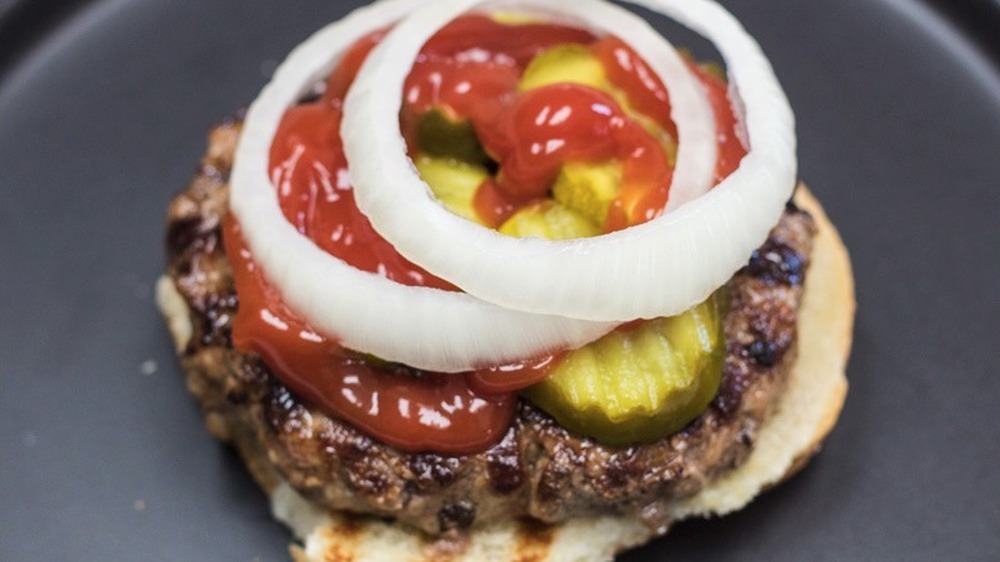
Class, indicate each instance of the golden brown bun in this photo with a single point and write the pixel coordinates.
(787, 440)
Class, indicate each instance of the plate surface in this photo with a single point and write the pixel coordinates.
(103, 455)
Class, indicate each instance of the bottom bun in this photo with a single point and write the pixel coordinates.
(805, 414)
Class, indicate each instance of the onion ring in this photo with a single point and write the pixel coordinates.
(421, 327)
(659, 268)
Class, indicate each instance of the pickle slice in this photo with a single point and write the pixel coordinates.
(453, 182)
(640, 384)
(588, 188)
(441, 134)
(549, 219)
(564, 63)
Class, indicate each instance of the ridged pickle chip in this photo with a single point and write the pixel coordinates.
(549, 219)
(454, 182)
(638, 384)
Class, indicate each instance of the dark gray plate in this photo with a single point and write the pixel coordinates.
(104, 110)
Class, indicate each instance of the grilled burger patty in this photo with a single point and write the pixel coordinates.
(538, 469)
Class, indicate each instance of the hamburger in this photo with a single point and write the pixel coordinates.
(555, 475)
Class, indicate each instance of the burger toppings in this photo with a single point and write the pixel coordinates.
(538, 468)
(448, 332)
(638, 384)
(694, 248)
(557, 158)
(400, 406)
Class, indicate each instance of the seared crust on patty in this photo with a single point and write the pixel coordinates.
(538, 469)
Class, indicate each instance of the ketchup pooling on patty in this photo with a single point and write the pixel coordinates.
(472, 67)
(406, 408)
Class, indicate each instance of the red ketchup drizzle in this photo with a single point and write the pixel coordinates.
(309, 170)
(481, 38)
(494, 205)
(461, 88)
(730, 147)
(551, 125)
(470, 69)
(626, 70)
(409, 409)
(343, 76)
(514, 377)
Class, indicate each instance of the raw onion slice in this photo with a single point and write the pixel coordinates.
(658, 268)
(424, 328)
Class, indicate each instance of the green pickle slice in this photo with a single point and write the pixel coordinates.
(441, 134)
(588, 188)
(454, 182)
(641, 384)
(564, 63)
(549, 219)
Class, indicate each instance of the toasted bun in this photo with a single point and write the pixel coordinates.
(805, 414)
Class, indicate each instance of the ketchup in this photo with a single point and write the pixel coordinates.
(309, 170)
(409, 409)
(626, 70)
(549, 126)
(494, 205)
(470, 69)
(730, 149)
(481, 38)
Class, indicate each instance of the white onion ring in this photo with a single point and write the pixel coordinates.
(659, 268)
(421, 327)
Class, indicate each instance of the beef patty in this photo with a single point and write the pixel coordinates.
(538, 470)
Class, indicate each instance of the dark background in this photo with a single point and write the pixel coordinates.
(103, 110)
